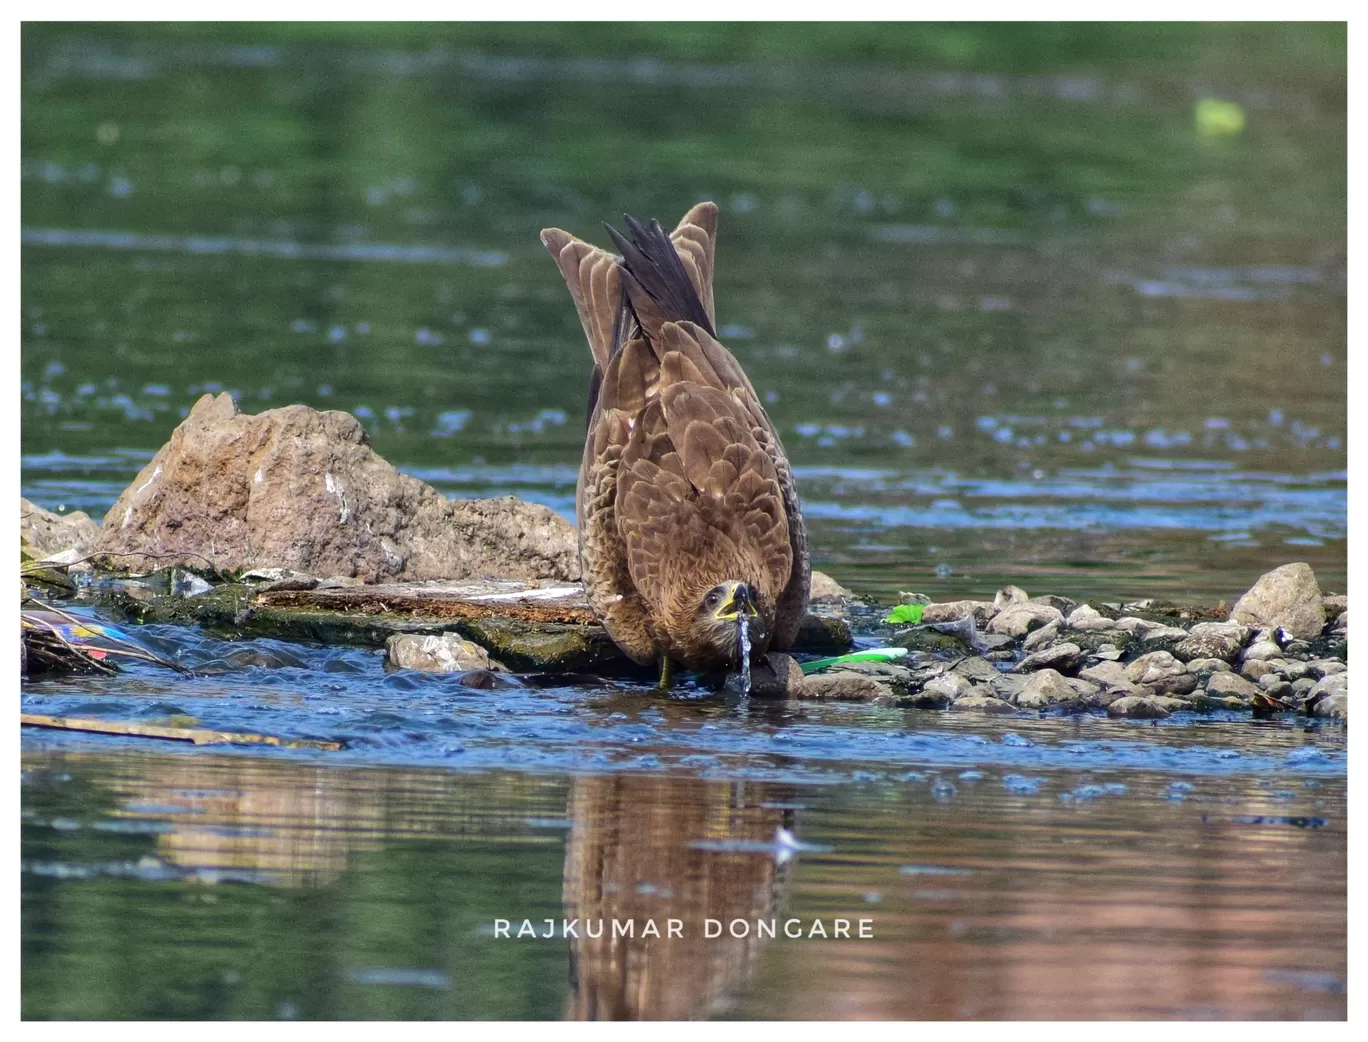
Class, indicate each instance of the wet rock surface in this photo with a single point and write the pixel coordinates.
(1142, 661)
(1288, 598)
(1261, 649)
(776, 675)
(1222, 685)
(1335, 707)
(438, 653)
(945, 689)
(949, 611)
(1041, 638)
(1085, 617)
(1044, 689)
(1062, 657)
(823, 630)
(977, 669)
(1139, 707)
(1201, 667)
(301, 489)
(1161, 673)
(980, 703)
(540, 626)
(1107, 674)
(844, 687)
(1334, 686)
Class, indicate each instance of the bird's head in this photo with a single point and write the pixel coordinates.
(718, 620)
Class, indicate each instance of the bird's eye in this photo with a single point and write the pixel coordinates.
(711, 600)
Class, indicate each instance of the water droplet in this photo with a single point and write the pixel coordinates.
(744, 626)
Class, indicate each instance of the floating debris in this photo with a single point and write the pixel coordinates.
(905, 614)
(872, 655)
(54, 640)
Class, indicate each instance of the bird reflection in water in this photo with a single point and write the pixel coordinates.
(652, 849)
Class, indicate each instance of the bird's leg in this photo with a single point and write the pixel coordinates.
(666, 675)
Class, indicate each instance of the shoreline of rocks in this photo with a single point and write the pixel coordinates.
(1280, 650)
(307, 534)
(1014, 654)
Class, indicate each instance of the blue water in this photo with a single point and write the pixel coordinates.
(404, 717)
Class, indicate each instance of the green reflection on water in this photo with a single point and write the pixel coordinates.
(345, 895)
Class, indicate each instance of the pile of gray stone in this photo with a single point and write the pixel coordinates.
(1284, 647)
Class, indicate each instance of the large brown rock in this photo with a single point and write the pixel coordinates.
(1288, 597)
(980, 703)
(776, 675)
(1062, 657)
(1086, 617)
(943, 690)
(1108, 674)
(843, 687)
(1334, 686)
(1227, 685)
(302, 489)
(1143, 707)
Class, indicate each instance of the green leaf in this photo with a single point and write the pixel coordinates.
(908, 613)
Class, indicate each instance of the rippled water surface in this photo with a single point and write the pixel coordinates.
(1009, 868)
(1016, 320)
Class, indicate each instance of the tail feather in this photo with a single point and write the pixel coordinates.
(660, 288)
(660, 278)
(595, 282)
(695, 240)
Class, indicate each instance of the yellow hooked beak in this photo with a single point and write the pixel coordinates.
(736, 603)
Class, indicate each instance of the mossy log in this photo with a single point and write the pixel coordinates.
(529, 626)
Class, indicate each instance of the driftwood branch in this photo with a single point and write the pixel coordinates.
(197, 735)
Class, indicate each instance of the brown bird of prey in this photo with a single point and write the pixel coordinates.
(688, 517)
